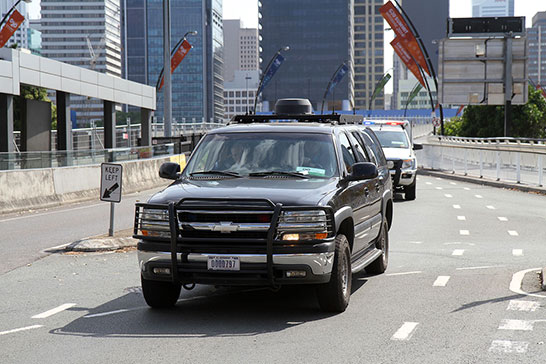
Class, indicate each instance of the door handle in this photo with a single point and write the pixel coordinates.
(366, 191)
(377, 185)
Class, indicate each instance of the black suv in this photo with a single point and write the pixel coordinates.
(268, 201)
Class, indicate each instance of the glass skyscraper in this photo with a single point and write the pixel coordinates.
(197, 83)
(320, 35)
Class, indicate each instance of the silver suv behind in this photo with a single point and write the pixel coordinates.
(399, 151)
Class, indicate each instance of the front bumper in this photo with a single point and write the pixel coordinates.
(403, 177)
(318, 268)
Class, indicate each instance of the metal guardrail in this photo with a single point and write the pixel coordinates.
(515, 160)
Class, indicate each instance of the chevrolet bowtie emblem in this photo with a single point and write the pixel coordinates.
(225, 227)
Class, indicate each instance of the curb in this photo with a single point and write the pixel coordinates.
(483, 181)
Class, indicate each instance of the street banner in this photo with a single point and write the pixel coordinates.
(341, 72)
(459, 110)
(413, 93)
(177, 57)
(14, 21)
(407, 59)
(380, 85)
(404, 33)
(275, 65)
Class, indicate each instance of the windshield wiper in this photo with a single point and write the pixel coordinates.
(222, 173)
(278, 173)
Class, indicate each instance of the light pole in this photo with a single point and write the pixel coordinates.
(247, 77)
(10, 10)
(175, 48)
(285, 48)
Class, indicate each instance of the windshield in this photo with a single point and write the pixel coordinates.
(392, 139)
(259, 154)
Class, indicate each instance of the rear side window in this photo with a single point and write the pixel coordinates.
(347, 152)
(361, 146)
(373, 145)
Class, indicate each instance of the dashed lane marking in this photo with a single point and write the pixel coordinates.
(481, 267)
(448, 195)
(516, 325)
(464, 232)
(457, 207)
(507, 346)
(415, 242)
(467, 189)
(478, 196)
(20, 329)
(439, 188)
(513, 232)
(461, 218)
(53, 311)
(441, 281)
(106, 313)
(518, 305)
(428, 183)
(458, 252)
(517, 252)
(491, 207)
(457, 243)
(403, 273)
(502, 218)
(405, 332)
(453, 183)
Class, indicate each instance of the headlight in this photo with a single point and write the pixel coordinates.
(304, 225)
(153, 223)
(408, 163)
(390, 164)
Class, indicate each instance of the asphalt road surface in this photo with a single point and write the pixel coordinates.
(461, 287)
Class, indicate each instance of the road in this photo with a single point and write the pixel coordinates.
(461, 287)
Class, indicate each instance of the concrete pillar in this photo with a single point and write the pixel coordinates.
(145, 127)
(64, 124)
(6, 124)
(109, 124)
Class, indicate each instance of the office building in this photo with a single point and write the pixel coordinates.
(239, 94)
(241, 49)
(429, 18)
(369, 52)
(320, 34)
(21, 34)
(486, 8)
(536, 38)
(84, 34)
(197, 83)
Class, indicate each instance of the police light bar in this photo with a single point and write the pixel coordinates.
(396, 123)
(367, 122)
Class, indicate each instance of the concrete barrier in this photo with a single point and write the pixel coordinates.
(41, 188)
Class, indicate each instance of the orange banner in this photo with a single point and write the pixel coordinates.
(404, 33)
(11, 26)
(177, 57)
(407, 59)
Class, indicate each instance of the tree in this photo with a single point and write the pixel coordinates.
(528, 121)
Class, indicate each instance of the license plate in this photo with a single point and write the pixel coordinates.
(223, 263)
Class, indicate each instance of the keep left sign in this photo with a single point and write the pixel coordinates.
(110, 182)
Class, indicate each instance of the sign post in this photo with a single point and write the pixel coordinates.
(110, 188)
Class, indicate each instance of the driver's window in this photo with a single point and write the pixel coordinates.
(347, 152)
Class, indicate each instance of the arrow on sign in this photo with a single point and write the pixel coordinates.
(108, 191)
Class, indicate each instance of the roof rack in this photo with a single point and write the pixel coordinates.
(334, 119)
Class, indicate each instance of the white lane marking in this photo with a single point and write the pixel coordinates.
(403, 273)
(461, 218)
(464, 232)
(438, 178)
(517, 252)
(457, 243)
(53, 311)
(517, 325)
(441, 281)
(482, 267)
(20, 329)
(415, 242)
(528, 306)
(491, 207)
(428, 183)
(501, 218)
(513, 232)
(456, 206)
(517, 280)
(106, 313)
(467, 189)
(506, 346)
(405, 332)
(439, 188)
(51, 212)
(478, 196)
(458, 252)
(448, 195)
(453, 183)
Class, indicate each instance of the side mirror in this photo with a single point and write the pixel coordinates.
(169, 170)
(417, 146)
(361, 171)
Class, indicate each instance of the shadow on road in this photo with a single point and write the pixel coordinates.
(204, 312)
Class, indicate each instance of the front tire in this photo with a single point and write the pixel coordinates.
(160, 294)
(334, 296)
(379, 265)
(409, 191)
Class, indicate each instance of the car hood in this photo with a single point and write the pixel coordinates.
(289, 192)
(398, 153)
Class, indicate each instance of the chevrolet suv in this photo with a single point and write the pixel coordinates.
(270, 200)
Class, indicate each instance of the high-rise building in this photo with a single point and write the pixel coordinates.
(197, 83)
(485, 8)
(21, 35)
(536, 37)
(239, 94)
(320, 34)
(369, 55)
(34, 37)
(429, 17)
(84, 34)
(241, 49)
